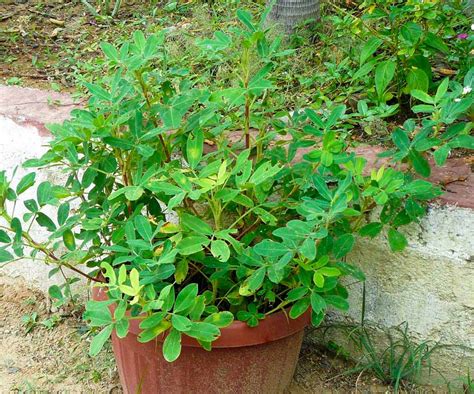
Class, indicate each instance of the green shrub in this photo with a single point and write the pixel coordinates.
(200, 206)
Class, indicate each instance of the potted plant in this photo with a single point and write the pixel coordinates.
(212, 232)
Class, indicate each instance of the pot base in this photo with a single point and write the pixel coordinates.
(262, 369)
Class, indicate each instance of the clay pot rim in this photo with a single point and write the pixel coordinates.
(273, 328)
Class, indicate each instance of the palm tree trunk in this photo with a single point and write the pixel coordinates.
(288, 13)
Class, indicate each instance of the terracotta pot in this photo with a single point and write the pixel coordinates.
(242, 360)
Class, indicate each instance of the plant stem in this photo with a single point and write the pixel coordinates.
(246, 80)
(116, 8)
(35, 245)
(247, 123)
(280, 306)
(91, 9)
(148, 103)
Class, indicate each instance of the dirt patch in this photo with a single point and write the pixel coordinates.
(43, 43)
(47, 359)
(56, 359)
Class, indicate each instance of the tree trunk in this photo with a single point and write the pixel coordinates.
(288, 13)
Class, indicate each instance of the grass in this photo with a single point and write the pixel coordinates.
(400, 363)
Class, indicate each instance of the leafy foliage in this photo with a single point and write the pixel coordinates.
(198, 207)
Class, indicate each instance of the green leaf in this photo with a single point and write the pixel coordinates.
(185, 298)
(318, 279)
(246, 18)
(300, 307)
(172, 345)
(181, 323)
(143, 226)
(296, 294)
(411, 32)
(420, 164)
(369, 49)
(97, 91)
(330, 271)
(133, 193)
(364, 70)
(121, 309)
(4, 237)
(194, 148)
(121, 328)
(423, 108)
(63, 213)
(31, 205)
(435, 42)
(337, 302)
(69, 240)
(462, 141)
(45, 221)
(110, 51)
(318, 304)
(191, 245)
(322, 187)
(182, 267)
(155, 320)
(422, 96)
(270, 248)
(469, 78)
(44, 193)
(258, 83)
(396, 240)
(317, 318)
(149, 334)
(5, 256)
(349, 269)
(264, 172)
(308, 249)
(441, 155)
(139, 40)
(384, 74)
(109, 273)
(401, 140)
(220, 42)
(172, 114)
(99, 340)
(25, 183)
(418, 186)
(220, 319)
(442, 89)
(203, 331)
(195, 224)
(343, 245)
(220, 250)
(253, 282)
(371, 230)
(55, 292)
(417, 79)
(15, 224)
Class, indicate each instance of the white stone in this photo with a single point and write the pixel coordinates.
(19, 143)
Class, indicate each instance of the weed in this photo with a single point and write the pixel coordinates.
(400, 363)
(51, 322)
(29, 322)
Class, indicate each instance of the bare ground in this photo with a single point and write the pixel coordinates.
(47, 359)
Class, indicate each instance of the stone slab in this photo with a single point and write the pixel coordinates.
(35, 107)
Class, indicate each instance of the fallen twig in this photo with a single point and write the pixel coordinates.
(6, 16)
